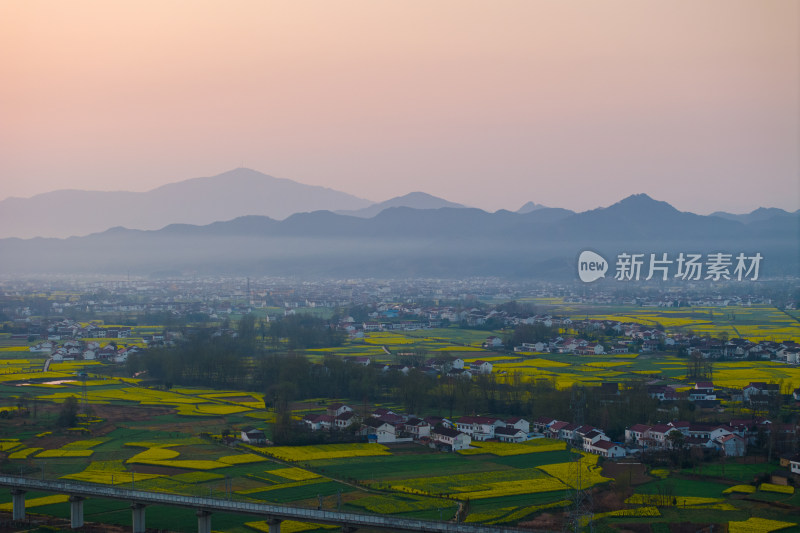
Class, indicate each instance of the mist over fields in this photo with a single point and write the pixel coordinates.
(406, 242)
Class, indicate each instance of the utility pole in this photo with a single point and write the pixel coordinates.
(580, 515)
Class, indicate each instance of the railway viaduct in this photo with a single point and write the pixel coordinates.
(205, 507)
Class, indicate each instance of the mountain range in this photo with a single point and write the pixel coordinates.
(229, 195)
(201, 201)
(401, 241)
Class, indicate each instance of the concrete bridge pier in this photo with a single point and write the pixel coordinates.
(203, 521)
(76, 512)
(18, 504)
(138, 517)
(274, 525)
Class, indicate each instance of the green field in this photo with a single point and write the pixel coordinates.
(157, 435)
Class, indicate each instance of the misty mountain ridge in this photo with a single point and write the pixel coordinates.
(229, 195)
(530, 206)
(406, 242)
(245, 192)
(757, 215)
(414, 200)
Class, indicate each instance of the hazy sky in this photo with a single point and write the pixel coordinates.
(492, 103)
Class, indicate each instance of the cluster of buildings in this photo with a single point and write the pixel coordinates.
(757, 394)
(631, 336)
(385, 426)
(730, 439)
(449, 367)
(72, 350)
(583, 436)
(66, 329)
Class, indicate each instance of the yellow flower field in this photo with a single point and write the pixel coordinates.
(295, 474)
(280, 486)
(196, 477)
(80, 448)
(17, 362)
(400, 504)
(769, 487)
(387, 338)
(242, 458)
(464, 349)
(72, 366)
(480, 485)
(659, 499)
(490, 359)
(189, 464)
(160, 455)
(512, 488)
(743, 489)
(757, 525)
(288, 526)
(508, 448)
(590, 472)
(154, 454)
(37, 502)
(609, 364)
(525, 511)
(108, 473)
(24, 376)
(206, 409)
(65, 453)
(9, 444)
(535, 363)
(326, 451)
(486, 516)
(648, 511)
(24, 453)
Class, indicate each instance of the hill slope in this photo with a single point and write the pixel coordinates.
(226, 196)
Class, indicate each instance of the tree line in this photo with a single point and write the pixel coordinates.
(239, 362)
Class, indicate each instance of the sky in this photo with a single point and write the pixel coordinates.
(486, 103)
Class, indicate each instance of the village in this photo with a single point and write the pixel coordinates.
(63, 338)
(727, 440)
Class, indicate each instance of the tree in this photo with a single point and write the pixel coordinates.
(677, 442)
(69, 412)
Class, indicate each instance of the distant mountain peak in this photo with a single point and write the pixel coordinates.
(413, 200)
(641, 202)
(202, 200)
(530, 207)
(639, 197)
(416, 195)
(757, 215)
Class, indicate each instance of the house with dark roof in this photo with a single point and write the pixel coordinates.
(636, 433)
(760, 388)
(519, 423)
(450, 439)
(344, 420)
(732, 445)
(417, 428)
(253, 435)
(479, 427)
(606, 448)
(591, 438)
(318, 422)
(378, 431)
(510, 434)
(542, 424)
(554, 431)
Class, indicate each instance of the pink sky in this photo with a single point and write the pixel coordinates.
(491, 104)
